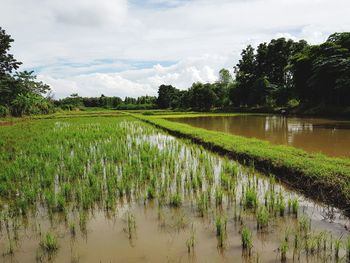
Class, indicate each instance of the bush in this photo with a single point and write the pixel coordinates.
(27, 104)
(293, 103)
(67, 107)
(4, 111)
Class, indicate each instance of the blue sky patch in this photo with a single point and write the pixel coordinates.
(68, 69)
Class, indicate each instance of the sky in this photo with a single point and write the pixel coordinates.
(130, 47)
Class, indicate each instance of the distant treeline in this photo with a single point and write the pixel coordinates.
(282, 73)
(74, 101)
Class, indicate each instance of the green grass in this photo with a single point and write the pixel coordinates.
(305, 171)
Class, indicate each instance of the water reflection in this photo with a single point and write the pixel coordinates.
(331, 137)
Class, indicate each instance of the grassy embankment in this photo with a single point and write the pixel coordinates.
(316, 175)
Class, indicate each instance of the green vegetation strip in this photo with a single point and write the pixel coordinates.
(323, 178)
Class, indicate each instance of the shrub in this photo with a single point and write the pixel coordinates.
(293, 103)
(4, 111)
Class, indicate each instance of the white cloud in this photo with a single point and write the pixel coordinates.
(64, 38)
(133, 83)
(89, 13)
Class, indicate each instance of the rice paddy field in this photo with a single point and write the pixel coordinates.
(115, 189)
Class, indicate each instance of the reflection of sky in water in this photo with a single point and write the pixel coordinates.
(294, 128)
(291, 126)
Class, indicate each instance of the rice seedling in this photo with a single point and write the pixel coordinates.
(311, 244)
(203, 203)
(250, 199)
(72, 229)
(337, 246)
(293, 206)
(262, 217)
(61, 203)
(175, 200)
(191, 241)
(296, 246)
(218, 196)
(83, 221)
(49, 243)
(281, 204)
(347, 247)
(130, 225)
(247, 241)
(151, 192)
(284, 247)
(221, 224)
(304, 225)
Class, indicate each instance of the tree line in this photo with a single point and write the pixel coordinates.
(281, 73)
(74, 101)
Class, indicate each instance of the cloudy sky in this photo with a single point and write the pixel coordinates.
(130, 47)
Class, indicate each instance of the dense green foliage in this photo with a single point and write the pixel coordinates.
(20, 92)
(322, 72)
(200, 97)
(281, 73)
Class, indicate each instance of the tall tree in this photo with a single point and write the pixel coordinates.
(7, 62)
(321, 73)
(202, 96)
(166, 94)
(245, 78)
(221, 88)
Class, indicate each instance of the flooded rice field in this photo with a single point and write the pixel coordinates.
(119, 190)
(331, 137)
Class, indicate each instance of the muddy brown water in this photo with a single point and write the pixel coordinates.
(158, 239)
(331, 137)
(161, 232)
